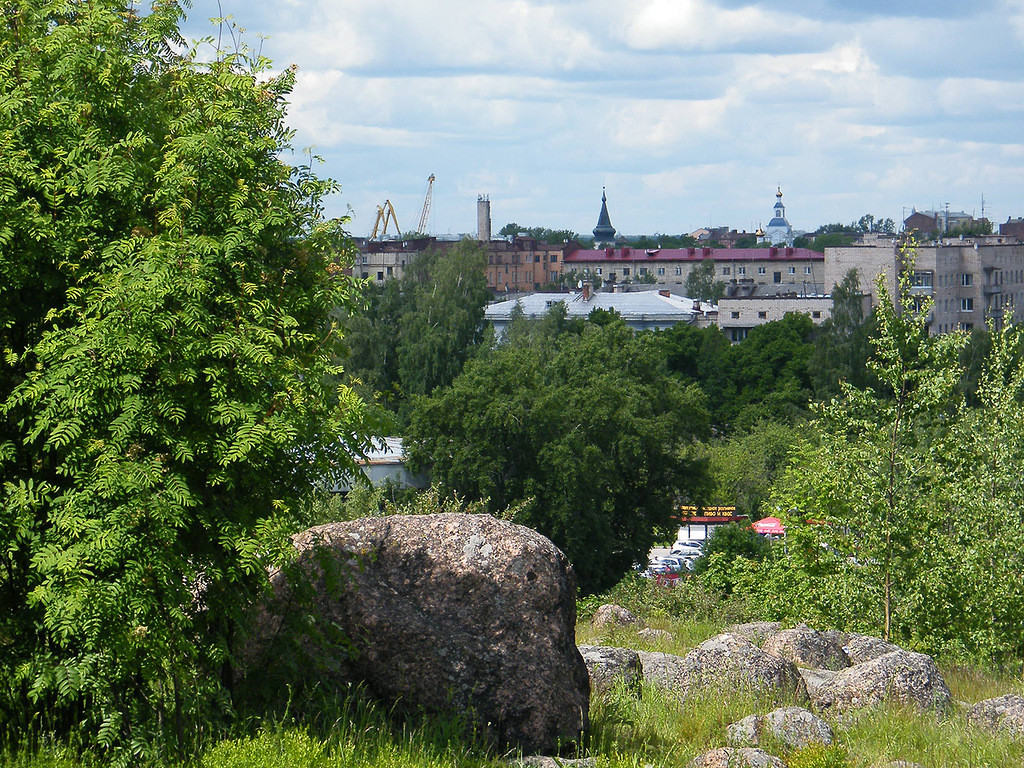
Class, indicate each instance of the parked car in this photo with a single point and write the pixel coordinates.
(694, 548)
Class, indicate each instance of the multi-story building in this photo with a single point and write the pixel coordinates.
(524, 264)
(774, 265)
(379, 260)
(971, 281)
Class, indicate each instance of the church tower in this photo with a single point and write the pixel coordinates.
(778, 231)
(604, 232)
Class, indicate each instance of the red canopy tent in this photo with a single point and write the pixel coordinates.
(769, 526)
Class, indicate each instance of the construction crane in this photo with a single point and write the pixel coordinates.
(385, 215)
(426, 206)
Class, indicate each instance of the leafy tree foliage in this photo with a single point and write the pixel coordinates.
(701, 283)
(727, 543)
(873, 474)
(166, 321)
(842, 346)
(445, 318)
(746, 465)
(584, 430)
(415, 334)
(767, 375)
(540, 234)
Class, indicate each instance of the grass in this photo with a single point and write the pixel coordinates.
(626, 732)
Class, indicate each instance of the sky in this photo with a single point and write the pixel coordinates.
(689, 112)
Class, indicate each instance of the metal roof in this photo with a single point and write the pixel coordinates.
(635, 304)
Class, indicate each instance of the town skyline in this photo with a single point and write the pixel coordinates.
(689, 113)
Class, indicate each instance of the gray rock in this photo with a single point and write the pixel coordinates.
(443, 613)
(655, 635)
(861, 648)
(733, 661)
(724, 661)
(814, 679)
(899, 676)
(610, 666)
(745, 732)
(794, 727)
(755, 631)
(610, 615)
(664, 670)
(806, 647)
(736, 757)
(1003, 713)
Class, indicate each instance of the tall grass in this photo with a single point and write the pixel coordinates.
(658, 728)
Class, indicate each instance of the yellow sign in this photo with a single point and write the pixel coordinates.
(717, 511)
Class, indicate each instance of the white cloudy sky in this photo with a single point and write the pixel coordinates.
(688, 111)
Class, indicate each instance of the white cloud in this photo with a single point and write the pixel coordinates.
(701, 25)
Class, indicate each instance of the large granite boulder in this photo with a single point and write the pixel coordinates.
(1003, 713)
(447, 613)
(610, 667)
(664, 670)
(814, 679)
(861, 648)
(655, 636)
(725, 661)
(611, 615)
(732, 661)
(736, 757)
(755, 631)
(807, 647)
(899, 677)
(794, 727)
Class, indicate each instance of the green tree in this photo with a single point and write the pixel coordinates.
(166, 312)
(584, 432)
(871, 475)
(701, 284)
(729, 542)
(745, 466)
(842, 346)
(446, 292)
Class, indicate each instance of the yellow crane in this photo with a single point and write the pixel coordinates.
(385, 215)
(426, 206)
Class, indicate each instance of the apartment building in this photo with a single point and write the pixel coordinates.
(775, 265)
(971, 281)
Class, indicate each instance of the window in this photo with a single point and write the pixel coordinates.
(792, 270)
(679, 270)
(554, 257)
(762, 270)
(599, 270)
(816, 314)
(536, 258)
(366, 274)
(777, 277)
(967, 305)
(661, 270)
(726, 270)
(380, 274)
(967, 278)
(762, 315)
(391, 271)
(741, 270)
(921, 279)
(807, 270)
(643, 270)
(625, 271)
(735, 315)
